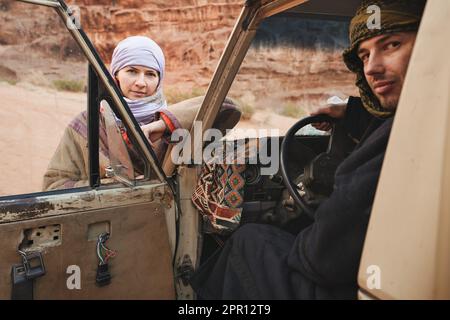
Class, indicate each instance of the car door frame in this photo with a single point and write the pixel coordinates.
(157, 196)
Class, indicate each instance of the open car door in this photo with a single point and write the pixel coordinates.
(103, 238)
(406, 252)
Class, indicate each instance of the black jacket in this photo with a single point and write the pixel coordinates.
(328, 252)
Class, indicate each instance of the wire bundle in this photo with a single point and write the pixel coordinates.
(103, 252)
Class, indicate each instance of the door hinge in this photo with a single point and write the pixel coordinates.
(163, 196)
(185, 270)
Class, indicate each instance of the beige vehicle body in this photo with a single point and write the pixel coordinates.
(157, 230)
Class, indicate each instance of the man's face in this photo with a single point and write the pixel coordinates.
(386, 60)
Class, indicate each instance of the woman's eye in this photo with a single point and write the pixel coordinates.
(131, 71)
(151, 74)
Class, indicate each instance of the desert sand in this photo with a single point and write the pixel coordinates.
(32, 120)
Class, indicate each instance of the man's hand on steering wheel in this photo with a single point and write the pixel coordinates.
(286, 145)
(334, 108)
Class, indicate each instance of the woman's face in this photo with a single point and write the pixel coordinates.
(137, 82)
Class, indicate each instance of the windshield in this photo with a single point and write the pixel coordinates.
(293, 66)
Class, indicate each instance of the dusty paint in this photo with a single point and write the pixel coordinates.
(131, 280)
(58, 204)
(30, 208)
(164, 196)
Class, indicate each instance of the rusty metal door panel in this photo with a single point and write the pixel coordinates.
(47, 205)
(142, 268)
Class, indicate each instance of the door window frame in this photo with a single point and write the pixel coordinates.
(101, 86)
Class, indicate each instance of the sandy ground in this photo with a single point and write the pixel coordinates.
(33, 119)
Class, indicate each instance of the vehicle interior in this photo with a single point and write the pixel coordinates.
(307, 161)
(267, 195)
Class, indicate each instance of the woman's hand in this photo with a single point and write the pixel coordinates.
(335, 109)
(154, 131)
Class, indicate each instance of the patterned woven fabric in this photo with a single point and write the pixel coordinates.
(219, 195)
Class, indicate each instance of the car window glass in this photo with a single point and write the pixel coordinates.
(43, 78)
(125, 164)
(293, 66)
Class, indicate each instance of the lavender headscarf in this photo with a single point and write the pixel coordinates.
(141, 51)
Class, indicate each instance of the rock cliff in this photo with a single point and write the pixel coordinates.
(192, 34)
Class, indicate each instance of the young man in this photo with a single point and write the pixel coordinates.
(321, 262)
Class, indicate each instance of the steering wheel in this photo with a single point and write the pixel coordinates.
(319, 170)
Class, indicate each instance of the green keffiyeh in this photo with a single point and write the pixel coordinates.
(396, 16)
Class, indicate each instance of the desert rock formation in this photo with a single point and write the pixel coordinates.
(193, 34)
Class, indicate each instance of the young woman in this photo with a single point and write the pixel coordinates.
(138, 67)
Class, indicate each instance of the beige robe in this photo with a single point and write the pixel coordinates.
(69, 166)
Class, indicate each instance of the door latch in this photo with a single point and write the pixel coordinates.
(23, 275)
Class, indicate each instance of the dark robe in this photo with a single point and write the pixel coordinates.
(321, 262)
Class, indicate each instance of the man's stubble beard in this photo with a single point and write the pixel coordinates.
(389, 103)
